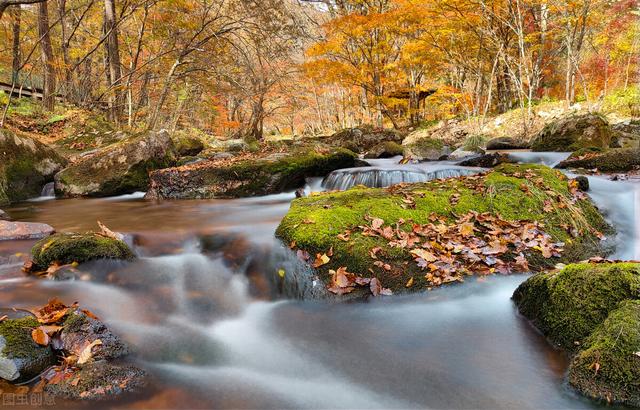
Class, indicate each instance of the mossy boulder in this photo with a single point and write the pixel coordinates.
(518, 193)
(25, 166)
(571, 133)
(65, 248)
(627, 134)
(243, 177)
(120, 168)
(568, 305)
(608, 366)
(362, 139)
(427, 149)
(506, 143)
(186, 144)
(593, 311)
(20, 357)
(613, 160)
(385, 149)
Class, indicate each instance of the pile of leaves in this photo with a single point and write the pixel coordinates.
(51, 318)
(472, 243)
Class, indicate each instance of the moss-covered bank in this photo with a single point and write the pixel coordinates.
(517, 193)
(65, 248)
(593, 311)
(246, 177)
(25, 166)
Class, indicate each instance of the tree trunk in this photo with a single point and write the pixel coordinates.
(16, 55)
(62, 4)
(49, 89)
(113, 58)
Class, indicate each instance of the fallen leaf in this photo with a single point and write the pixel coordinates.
(321, 259)
(40, 336)
(86, 353)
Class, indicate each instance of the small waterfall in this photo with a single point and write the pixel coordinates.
(378, 177)
(48, 190)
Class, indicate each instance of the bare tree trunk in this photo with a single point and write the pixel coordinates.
(49, 89)
(62, 4)
(113, 56)
(16, 55)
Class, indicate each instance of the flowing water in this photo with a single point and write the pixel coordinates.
(201, 307)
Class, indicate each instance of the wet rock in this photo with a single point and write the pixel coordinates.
(80, 329)
(25, 166)
(593, 311)
(99, 381)
(386, 149)
(613, 160)
(362, 139)
(506, 143)
(120, 168)
(574, 132)
(427, 149)
(20, 357)
(66, 248)
(4, 216)
(223, 155)
(246, 177)
(487, 160)
(583, 183)
(13, 231)
(461, 153)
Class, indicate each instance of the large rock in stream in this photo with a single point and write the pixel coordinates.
(573, 132)
(593, 311)
(25, 166)
(415, 236)
(242, 177)
(364, 139)
(66, 248)
(14, 231)
(613, 160)
(120, 168)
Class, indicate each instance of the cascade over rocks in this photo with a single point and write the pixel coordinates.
(25, 166)
(120, 168)
(416, 236)
(593, 311)
(246, 176)
(574, 132)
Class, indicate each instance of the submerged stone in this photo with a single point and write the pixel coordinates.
(517, 193)
(65, 248)
(246, 177)
(120, 168)
(25, 166)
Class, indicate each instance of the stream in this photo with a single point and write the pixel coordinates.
(201, 309)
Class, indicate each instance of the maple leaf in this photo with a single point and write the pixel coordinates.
(86, 354)
(466, 229)
(321, 259)
(424, 255)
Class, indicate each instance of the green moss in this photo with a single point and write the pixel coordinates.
(73, 322)
(585, 151)
(25, 166)
(573, 133)
(17, 335)
(568, 305)
(65, 248)
(314, 222)
(613, 160)
(608, 367)
(187, 144)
